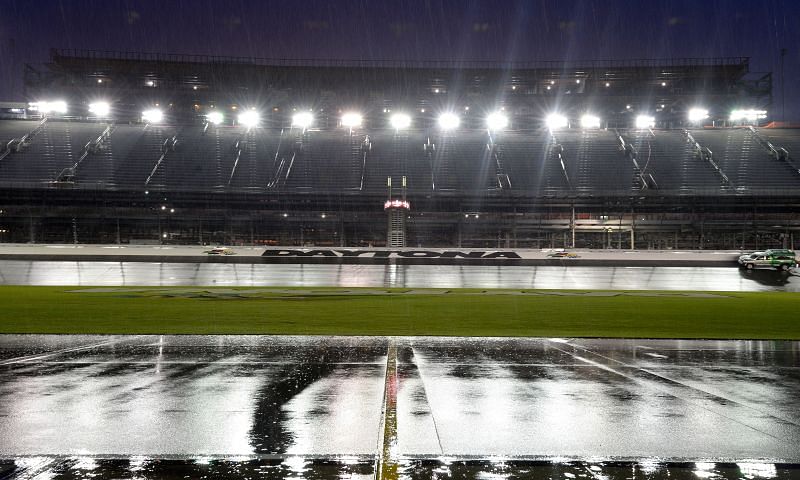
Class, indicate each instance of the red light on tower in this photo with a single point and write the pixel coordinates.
(396, 204)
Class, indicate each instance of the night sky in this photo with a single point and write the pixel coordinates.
(425, 30)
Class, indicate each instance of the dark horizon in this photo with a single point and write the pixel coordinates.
(412, 30)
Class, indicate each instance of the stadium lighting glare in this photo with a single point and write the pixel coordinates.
(215, 118)
(590, 121)
(449, 121)
(496, 121)
(748, 115)
(302, 119)
(352, 120)
(555, 121)
(249, 118)
(697, 114)
(154, 115)
(400, 121)
(100, 109)
(59, 106)
(645, 121)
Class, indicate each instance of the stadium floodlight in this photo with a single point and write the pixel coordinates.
(400, 121)
(100, 109)
(302, 119)
(58, 106)
(215, 117)
(555, 121)
(645, 121)
(590, 121)
(496, 121)
(154, 115)
(449, 121)
(749, 115)
(697, 115)
(352, 119)
(249, 118)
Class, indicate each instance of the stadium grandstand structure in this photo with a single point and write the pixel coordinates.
(70, 176)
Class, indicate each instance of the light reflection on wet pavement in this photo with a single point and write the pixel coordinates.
(311, 407)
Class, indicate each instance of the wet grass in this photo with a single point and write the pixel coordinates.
(317, 311)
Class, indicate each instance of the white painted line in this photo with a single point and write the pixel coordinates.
(33, 358)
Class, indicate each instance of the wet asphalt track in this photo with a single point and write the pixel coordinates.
(291, 405)
(14, 272)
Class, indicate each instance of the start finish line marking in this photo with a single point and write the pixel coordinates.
(232, 293)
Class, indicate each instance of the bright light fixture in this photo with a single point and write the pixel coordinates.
(352, 120)
(302, 119)
(249, 118)
(590, 121)
(59, 106)
(645, 121)
(554, 121)
(400, 121)
(749, 115)
(496, 121)
(154, 115)
(100, 109)
(215, 117)
(697, 114)
(449, 121)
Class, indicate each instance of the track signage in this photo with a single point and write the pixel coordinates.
(492, 254)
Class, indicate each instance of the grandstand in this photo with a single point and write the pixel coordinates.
(74, 175)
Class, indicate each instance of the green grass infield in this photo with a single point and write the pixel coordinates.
(372, 311)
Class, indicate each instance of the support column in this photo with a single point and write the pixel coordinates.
(31, 228)
(572, 226)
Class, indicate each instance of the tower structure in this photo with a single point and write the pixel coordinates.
(396, 212)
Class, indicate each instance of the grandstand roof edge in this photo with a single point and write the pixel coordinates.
(56, 54)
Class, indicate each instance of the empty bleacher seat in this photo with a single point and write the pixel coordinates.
(673, 162)
(746, 162)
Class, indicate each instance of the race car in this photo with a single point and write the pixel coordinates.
(220, 251)
(563, 255)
